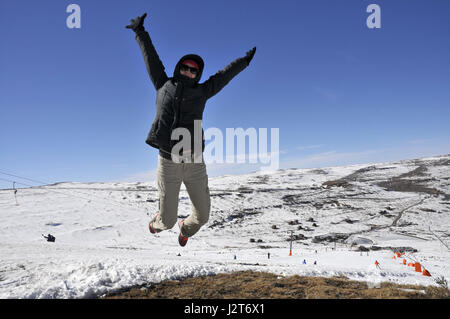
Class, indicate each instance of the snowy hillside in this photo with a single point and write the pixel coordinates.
(342, 218)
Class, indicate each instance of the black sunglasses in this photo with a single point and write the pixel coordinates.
(185, 67)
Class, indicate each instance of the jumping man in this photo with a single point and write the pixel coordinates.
(180, 101)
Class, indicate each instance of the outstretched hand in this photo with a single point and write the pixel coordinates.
(137, 24)
(250, 55)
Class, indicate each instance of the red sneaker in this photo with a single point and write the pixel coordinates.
(150, 228)
(182, 240)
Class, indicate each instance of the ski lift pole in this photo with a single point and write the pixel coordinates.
(290, 244)
(15, 192)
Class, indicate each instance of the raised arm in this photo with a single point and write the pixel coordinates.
(216, 82)
(155, 67)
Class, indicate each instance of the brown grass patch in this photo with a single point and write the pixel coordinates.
(261, 285)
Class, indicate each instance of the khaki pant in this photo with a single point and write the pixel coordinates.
(194, 177)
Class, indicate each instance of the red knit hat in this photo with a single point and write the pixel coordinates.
(191, 63)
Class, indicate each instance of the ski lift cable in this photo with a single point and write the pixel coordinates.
(72, 195)
(49, 185)
(52, 190)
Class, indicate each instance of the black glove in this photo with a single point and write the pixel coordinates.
(250, 55)
(137, 24)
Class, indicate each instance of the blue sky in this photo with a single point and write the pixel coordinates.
(76, 104)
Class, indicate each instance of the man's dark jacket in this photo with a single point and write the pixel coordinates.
(179, 99)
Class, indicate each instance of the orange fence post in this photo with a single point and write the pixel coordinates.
(417, 267)
(404, 261)
(426, 273)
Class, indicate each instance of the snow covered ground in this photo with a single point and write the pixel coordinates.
(103, 244)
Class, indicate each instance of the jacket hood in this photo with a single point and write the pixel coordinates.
(191, 82)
